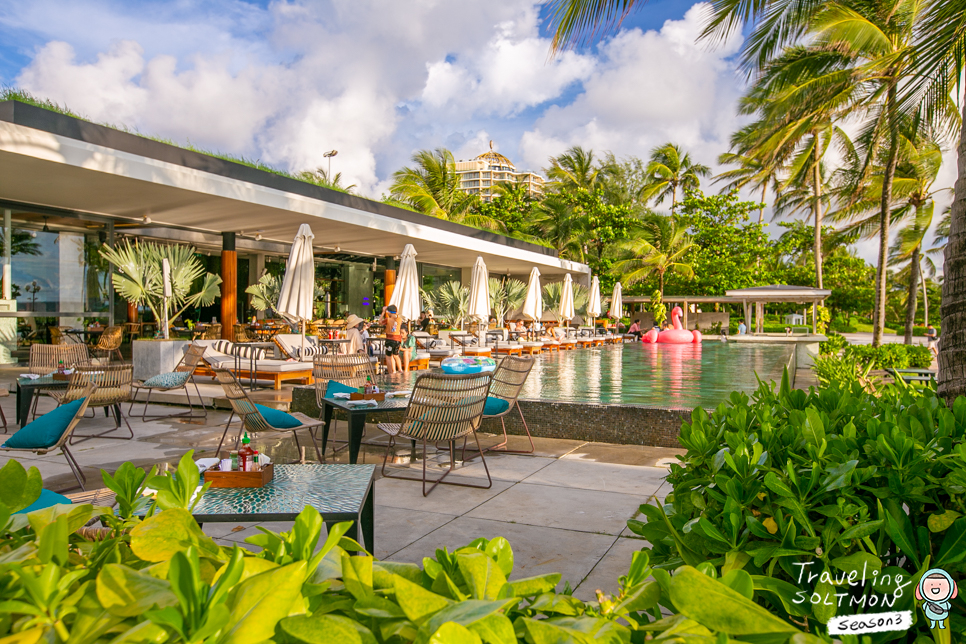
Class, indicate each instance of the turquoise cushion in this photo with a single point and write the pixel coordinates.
(277, 418)
(172, 380)
(46, 430)
(335, 387)
(495, 406)
(47, 499)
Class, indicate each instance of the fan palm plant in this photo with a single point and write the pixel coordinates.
(139, 277)
(668, 169)
(506, 295)
(553, 293)
(449, 301)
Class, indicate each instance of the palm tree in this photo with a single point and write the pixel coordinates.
(662, 247)
(560, 226)
(752, 172)
(432, 187)
(320, 177)
(506, 295)
(670, 168)
(574, 169)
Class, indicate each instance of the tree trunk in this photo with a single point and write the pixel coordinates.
(817, 207)
(911, 297)
(761, 209)
(660, 277)
(925, 300)
(885, 215)
(952, 347)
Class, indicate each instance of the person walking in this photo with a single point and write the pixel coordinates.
(393, 324)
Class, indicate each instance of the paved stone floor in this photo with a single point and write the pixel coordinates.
(563, 509)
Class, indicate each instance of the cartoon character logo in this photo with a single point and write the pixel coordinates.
(935, 590)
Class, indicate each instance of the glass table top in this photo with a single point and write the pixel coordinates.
(330, 488)
(46, 381)
(389, 404)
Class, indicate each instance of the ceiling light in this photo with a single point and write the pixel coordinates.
(46, 227)
(338, 250)
(146, 219)
(258, 237)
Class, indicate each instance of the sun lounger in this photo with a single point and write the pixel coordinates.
(219, 355)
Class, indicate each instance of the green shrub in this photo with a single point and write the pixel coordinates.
(161, 579)
(920, 331)
(894, 356)
(841, 369)
(833, 345)
(835, 479)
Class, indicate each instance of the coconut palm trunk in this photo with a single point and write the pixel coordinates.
(882, 274)
(817, 206)
(912, 295)
(952, 347)
(925, 300)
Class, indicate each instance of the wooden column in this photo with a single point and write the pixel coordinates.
(132, 312)
(390, 280)
(229, 286)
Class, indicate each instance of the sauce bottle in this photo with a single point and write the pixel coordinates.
(245, 455)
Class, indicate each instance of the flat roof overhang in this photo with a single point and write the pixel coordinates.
(52, 160)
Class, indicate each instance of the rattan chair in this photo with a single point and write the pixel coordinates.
(508, 380)
(109, 343)
(242, 334)
(47, 358)
(351, 369)
(443, 409)
(253, 421)
(61, 443)
(211, 332)
(178, 379)
(133, 330)
(113, 383)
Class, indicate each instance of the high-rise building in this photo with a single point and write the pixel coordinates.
(479, 176)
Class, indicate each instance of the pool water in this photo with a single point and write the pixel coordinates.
(668, 376)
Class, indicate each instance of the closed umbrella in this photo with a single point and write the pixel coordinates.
(533, 303)
(616, 303)
(297, 296)
(567, 299)
(593, 305)
(479, 306)
(406, 294)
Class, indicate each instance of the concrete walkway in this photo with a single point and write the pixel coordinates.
(563, 509)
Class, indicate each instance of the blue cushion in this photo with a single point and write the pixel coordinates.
(46, 430)
(46, 499)
(495, 406)
(336, 387)
(172, 380)
(278, 418)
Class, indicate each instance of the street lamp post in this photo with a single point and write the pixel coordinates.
(328, 155)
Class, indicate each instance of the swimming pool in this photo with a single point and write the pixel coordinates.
(668, 376)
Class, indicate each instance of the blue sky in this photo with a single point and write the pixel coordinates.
(284, 81)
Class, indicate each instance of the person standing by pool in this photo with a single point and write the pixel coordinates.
(742, 329)
(932, 340)
(390, 318)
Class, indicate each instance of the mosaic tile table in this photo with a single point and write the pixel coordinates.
(339, 491)
(357, 419)
(28, 388)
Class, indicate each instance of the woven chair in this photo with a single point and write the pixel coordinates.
(47, 358)
(443, 409)
(242, 334)
(252, 419)
(109, 343)
(508, 380)
(352, 369)
(183, 373)
(61, 443)
(58, 336)
(133, 330)
(211, 332)
(113, 383)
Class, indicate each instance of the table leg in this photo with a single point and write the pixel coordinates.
(357, 424)
(327, 418)
(25, 396)
(366, 519)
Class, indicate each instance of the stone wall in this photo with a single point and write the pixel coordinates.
(621, 424)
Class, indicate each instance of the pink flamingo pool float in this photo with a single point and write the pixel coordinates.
(677, 335)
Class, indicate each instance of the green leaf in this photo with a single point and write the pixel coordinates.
(500, 551)
(325, 629)
(52, 541)
(494, 629)
(740, 582)
(453, 633)
(467, 612)
(953, 548)
(859, 563)
(418, 603)
(814, 428)
(382, 572)
(357, 575)
(542, 631)
(257, 604)
(778, 486)
(861, 530)
(839, 476)
(785, 592)
(530, 586)
(159, 537)
(125, 592)
(735, 560)
(941, 521)
(482, 575)
(143, 633)
(719, 608)
(77, 515)
(643, 596)
(19, 487)
(824, 610)
(900, 531)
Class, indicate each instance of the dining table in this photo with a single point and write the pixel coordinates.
(357, 415)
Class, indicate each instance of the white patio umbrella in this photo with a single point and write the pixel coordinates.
(406, 293)
(616, 303)
(593, 305)
(567, 299)
(533, 303)
(297, 296)
(479, 306)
